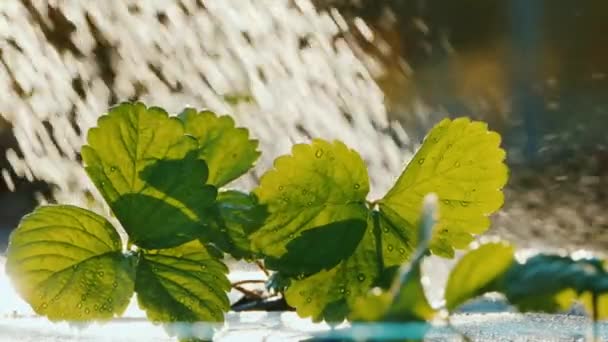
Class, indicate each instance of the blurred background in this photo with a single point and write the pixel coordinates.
(376, 74)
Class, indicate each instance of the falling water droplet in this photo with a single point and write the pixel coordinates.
(385, 229)
(401, 251)
(79, 305)
(390, 248)
(319, 153)
(114, 284)
(421, 161)
(457, 164)
(342, 289)
(113, 169)
(87, 311)
(308, 300)
(357, 186)
(281, 188)
(361, 277)
(44, 305)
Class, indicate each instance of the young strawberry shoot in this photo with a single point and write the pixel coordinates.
(309, 220)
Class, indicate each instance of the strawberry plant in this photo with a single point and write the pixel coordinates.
(309, 219)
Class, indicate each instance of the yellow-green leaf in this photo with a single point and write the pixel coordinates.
(319, 184)
(183, 284)
(67, 263)
(148, 171)
(329, 295)
(477, 272)
(228, 151)
(462, 163)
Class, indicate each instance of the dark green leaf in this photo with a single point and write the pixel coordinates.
(234, 218)
(550, 283)
(67, 263)
(323, 241)
(228, 151)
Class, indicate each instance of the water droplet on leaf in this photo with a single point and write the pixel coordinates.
(308, 300)
(361, 277)
(390, 248)
(421, 161)
(357, 186)
(319, 153)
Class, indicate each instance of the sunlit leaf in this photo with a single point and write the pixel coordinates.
(476, 273)
(329, 295)
(228, 151)
(148, 171)
(319, 186)
(462, 163)
(183, 284)
(67, 263)
(404, 300)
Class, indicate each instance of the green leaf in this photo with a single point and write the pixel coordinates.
(405, 301)
(182, 284)
(329, 295)
(551, 283)
(477, 272)
(323, 240)
(235, 217)
(148, 172)
(228, 151)
(67, 263)
(318, 185)
(462, 163)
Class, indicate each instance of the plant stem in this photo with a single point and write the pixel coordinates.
(251, 281)
(462, 335)
(595, 317)
(247, 293)
(261, 266)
